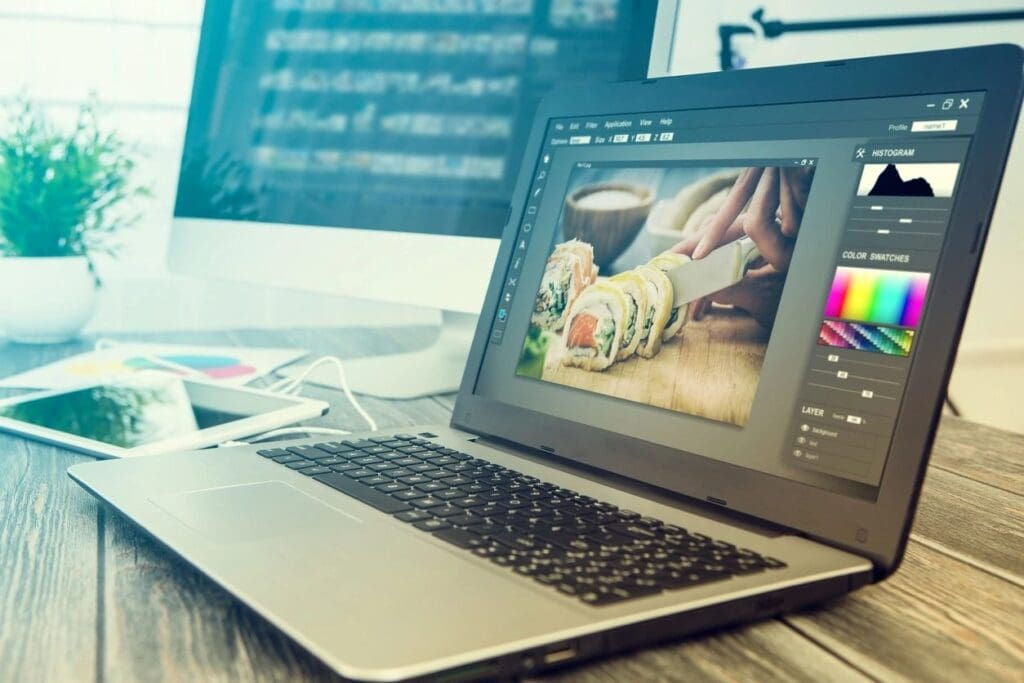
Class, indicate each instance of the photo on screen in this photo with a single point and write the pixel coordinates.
(908, 180)
(606, 318)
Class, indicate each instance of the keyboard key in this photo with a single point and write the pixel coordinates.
(432, 525)
(465, 519)
(345, 467)
(311, 471)
(334, 447)
(410, 494)
(272, 452)
(446, 511)
(307, 451)
(413, 479)
(376, 481)
(360, 473)
(461, 538)
(468, 502)
(290, 457)
(363, 493)
(430, 487)
(392, 487)
(427, 502)
(413, 516)
(299, 464)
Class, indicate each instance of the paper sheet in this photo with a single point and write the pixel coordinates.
(230, 365)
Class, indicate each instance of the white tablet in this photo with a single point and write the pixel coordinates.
(151, 412)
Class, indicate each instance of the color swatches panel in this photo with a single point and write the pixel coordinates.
(884, 297)
(892, 341)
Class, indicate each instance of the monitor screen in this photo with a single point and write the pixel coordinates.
(394, 115)
(745, 284)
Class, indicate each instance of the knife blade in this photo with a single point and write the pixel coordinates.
(724, 266)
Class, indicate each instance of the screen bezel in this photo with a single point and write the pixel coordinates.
(877, 529)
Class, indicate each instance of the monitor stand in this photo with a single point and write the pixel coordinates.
(436, 369)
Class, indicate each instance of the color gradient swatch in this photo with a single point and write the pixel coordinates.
(887, 297)
(892, 341)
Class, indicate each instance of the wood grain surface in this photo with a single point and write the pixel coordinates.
(710, 369)
(85, 596)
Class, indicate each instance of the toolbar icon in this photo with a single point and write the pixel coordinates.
(964, 101)
(861, 152)
(947, 104)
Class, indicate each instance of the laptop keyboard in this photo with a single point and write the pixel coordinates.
(580, 546)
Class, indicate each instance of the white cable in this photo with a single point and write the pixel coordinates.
(287, 385)
(299, 430)
(295, 385)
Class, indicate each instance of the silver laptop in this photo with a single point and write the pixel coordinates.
(702, 391)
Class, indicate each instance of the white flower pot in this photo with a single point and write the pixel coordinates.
(45, 300)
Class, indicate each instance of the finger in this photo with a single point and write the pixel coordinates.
(737, 198)
(686, 246)
(791, 213)
(757, 293)
(760, 223)
(698, 307)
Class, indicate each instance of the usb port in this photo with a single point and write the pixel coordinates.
(560, 653)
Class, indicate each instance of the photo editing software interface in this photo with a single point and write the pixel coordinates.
(386, 114)
(808, 235)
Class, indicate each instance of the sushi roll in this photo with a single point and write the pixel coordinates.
(634, 286)
(569, 270)
(677, 318)
(659, 308)
(593, 330)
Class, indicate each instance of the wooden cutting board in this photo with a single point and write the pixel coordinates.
(710, 370)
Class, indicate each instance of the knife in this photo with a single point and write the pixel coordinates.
(724, 266)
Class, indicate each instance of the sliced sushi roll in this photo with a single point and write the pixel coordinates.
(677, 318)
(569, 270)
(634, 286)
(593, 331)
(659, 308)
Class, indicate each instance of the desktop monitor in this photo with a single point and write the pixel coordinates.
(369, 148)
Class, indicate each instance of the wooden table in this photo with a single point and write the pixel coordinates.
(84, 595)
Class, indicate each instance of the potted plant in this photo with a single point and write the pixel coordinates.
(62, 202)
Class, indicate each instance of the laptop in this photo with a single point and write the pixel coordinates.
(703, 389)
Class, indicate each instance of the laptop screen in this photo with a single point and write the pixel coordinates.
(745, 284)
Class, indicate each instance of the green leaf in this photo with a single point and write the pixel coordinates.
(64, 193)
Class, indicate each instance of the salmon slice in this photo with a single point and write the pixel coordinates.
(581, 332)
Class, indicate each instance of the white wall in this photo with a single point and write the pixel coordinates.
(990, 367)
(138, 57)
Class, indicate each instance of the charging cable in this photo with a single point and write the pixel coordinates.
(288, 386)
(292, 386)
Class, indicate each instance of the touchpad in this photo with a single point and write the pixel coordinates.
(247, 512)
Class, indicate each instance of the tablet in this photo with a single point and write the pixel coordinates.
(151, 412)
